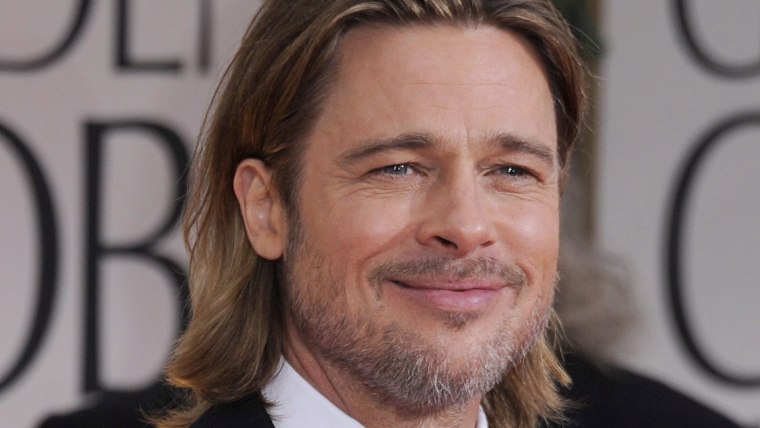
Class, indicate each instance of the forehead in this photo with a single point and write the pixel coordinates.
(434, 44)
(458, 82)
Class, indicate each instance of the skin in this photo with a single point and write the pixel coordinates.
(435, 144)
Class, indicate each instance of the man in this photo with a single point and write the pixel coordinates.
(373, 220)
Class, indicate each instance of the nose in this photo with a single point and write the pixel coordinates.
(456, 218)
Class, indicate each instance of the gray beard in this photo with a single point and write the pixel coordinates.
(399, 369)
(397, 366)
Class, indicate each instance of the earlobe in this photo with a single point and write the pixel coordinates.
(260, 207)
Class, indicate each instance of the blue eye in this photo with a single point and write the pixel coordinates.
(398, 169)
(517, 175)
(513, 171)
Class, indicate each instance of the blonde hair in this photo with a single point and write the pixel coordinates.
(267, 102)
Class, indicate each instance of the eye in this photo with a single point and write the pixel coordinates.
(514, 171)
(397, 169)
(398, 174)
(513, 175)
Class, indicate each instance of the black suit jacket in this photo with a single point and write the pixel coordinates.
(607, 396)
(248, 413)
(604, 398)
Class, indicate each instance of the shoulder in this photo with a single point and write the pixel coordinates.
(248, 412)
(612, 396)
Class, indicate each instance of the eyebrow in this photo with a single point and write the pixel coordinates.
(417, 141)
(369, 148)
(512, 143)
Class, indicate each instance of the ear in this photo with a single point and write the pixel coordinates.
(261, 208)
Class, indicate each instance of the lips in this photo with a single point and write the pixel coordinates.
(451, 285)
(472, 285)
(451, 296)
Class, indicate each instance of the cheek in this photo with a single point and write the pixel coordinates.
(533, 235)
(352, 237)
(360, 230)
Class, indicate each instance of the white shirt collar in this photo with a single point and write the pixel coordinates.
(297, 404)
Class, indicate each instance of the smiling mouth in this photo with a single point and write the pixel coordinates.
(448, 296)
(450, 285)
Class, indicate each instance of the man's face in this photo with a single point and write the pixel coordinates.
(423, 260)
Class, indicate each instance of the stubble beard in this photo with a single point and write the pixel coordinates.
(399, 367)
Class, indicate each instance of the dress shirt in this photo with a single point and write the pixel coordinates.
(297, 404)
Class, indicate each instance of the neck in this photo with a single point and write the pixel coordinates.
(355, 400)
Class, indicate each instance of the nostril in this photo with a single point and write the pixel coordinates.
(445, 242)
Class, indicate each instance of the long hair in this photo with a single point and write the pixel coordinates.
(265, 105)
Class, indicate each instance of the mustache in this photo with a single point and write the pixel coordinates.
(479, 268)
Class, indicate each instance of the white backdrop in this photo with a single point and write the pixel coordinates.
(56, 115)
(61, 111)
(659, 103)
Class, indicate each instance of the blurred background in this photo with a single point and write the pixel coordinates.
(101, 103)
